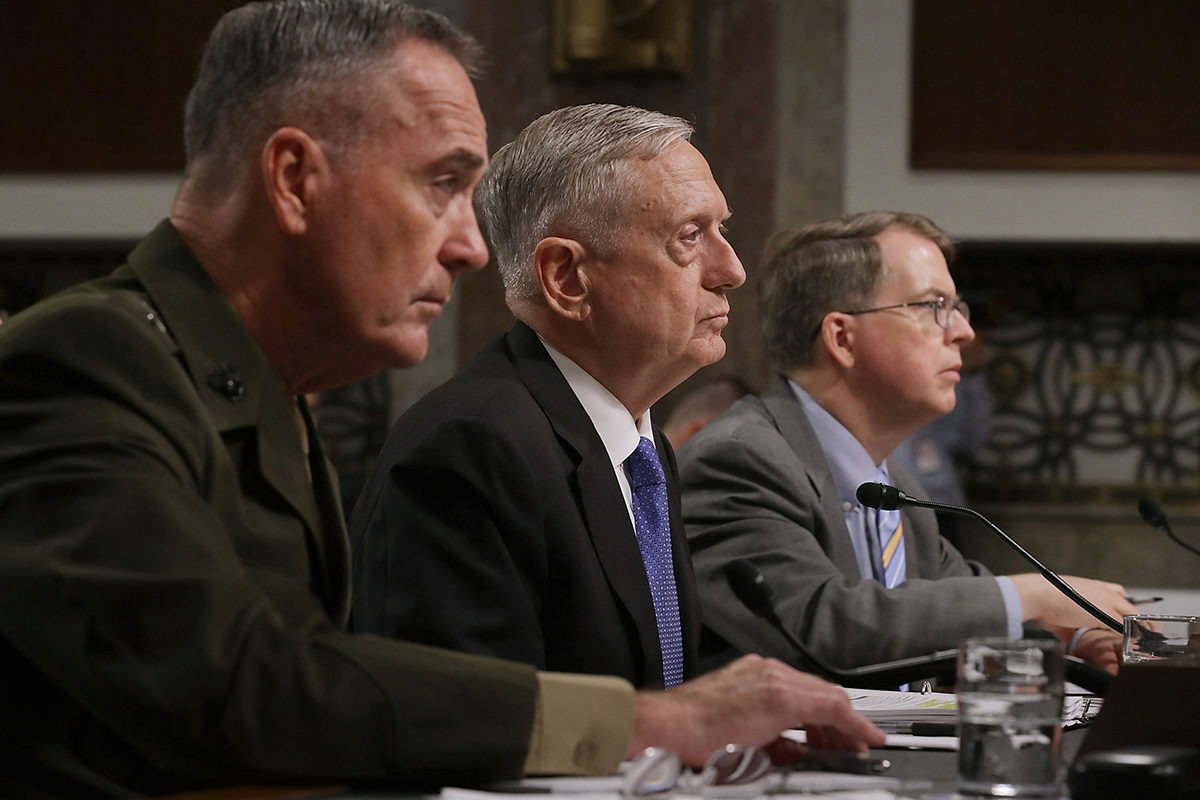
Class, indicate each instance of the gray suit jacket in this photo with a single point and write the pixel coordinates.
(756, 486)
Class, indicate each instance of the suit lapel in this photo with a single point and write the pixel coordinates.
(685, 576)
(599, 495)
(797, 431)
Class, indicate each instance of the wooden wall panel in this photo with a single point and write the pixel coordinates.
(98, 86)
(1071, 84)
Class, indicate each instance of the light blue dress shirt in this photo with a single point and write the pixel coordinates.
(852, 466)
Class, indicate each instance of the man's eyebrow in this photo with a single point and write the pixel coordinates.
(462, 160)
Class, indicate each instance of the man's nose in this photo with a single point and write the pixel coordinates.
(728, 272)
(960, 330)
(464, 248)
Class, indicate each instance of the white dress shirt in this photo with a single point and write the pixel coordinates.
(616, 426)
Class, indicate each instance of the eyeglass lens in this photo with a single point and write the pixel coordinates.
(944, 308)
(654, 771)
(735, 764)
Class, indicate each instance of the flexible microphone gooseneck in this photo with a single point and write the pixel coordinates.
(889, 498)
(1152, 512)
(751, 587)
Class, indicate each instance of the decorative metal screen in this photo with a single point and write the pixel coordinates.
(1095, 369)
(1094, 365)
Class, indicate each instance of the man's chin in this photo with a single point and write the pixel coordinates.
(409, 350)
(709, 351)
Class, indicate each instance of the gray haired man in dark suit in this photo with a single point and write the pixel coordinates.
(510, 512)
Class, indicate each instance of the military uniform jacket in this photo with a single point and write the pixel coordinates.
(175, 586)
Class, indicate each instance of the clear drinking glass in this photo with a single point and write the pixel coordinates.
(1150, 637)
(1010, 700)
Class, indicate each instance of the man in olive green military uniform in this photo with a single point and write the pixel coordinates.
(172, 553)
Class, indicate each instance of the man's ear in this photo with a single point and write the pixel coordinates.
(561, 267)
(292, 164)
(837, 337)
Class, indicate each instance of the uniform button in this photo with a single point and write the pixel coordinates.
(847, 506)
(585, 751)
(224, 381)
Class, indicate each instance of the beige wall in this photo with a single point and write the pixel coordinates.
(1112, 544)
(979, 204)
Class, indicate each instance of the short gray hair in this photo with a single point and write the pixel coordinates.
(832, 265)
(271, 64)
(564, 175)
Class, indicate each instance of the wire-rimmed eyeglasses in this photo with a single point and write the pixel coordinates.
(734, 771)
(943, 309)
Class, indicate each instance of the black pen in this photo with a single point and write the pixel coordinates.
(816, 758)
(1141, 601)
(920, 728)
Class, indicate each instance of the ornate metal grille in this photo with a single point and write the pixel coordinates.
(1095, 370)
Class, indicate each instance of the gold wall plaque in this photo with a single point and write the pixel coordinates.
(590, 37)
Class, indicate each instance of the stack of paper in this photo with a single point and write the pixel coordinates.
(904, 707)
(894, 708)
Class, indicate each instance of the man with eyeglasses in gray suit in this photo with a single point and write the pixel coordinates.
(862, 321)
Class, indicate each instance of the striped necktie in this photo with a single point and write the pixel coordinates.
(890, 528)
(652, 523)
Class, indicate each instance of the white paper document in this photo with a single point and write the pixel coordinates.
(888, 709)
(879, 705)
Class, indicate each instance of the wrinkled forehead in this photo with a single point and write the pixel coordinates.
(421, 85)
(675, 185)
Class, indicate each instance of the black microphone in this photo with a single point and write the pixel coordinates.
(1152, 512)
(889, 498)
(751, 587)
(881, 495)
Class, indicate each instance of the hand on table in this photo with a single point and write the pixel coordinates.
(1102, 647)
(751, 701)
(1049, 607)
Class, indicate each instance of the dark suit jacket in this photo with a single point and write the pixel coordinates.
(175, 586)
(493, 523)
(756, 485)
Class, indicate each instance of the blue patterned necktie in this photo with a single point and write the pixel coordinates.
(890, 529)
(652, 521)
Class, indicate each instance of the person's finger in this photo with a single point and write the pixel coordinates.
(784, 751)
(836, 740)
(1101, 647)
(829, 706)
(815, 736)
(1124, 607)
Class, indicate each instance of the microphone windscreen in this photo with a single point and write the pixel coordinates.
(750, 586)
(1152, 512)
(878, 495)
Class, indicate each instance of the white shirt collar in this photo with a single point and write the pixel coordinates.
(610, 418)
